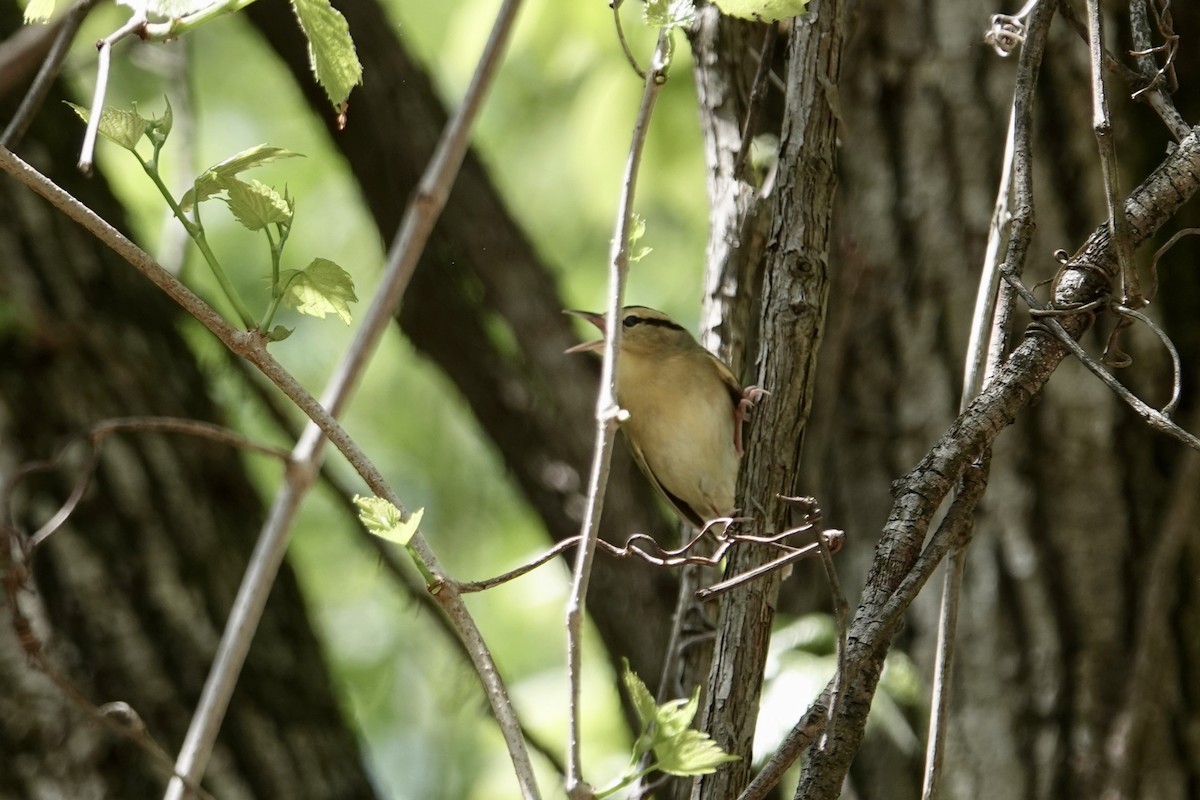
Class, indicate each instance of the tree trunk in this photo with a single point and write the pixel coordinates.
(1074, 645)
(126, 601)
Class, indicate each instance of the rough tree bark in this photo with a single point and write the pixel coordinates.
(1066, 590)
(128, 599)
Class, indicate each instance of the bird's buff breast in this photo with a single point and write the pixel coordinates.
(684, 428)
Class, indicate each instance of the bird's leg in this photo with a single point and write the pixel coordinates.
(750, 396)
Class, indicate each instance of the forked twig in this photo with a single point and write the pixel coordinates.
(990, 328)
(47, 73)
(96, 436)
(1154, 418)
(103, 58)
(1118, 223)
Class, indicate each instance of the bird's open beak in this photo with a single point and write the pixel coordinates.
(595, 319)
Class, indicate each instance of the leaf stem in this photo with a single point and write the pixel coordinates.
(277, 291)
(196, 231)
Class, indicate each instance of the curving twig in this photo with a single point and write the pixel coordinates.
(95, 437)
(990, 328)
(615, 5)
(1131, 291)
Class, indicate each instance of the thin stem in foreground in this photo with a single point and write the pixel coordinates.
(607, 416)
(990, 330)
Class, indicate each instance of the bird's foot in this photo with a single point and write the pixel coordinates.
(750, 396)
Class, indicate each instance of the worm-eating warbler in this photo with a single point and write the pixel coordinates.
(685, 412)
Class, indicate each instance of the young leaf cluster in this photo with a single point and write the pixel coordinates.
(667, 736)
(384, 520)
(320, 289)
(636, 231)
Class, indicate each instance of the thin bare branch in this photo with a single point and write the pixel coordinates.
(1142, 87)
(1154, 418)
(103, 58)
(95, 438)
(1162, 251)
(1131, 292)
(990, 329)
(615, 5)
(468, 587)
(608, 414)
(841, 617)
(47, 73)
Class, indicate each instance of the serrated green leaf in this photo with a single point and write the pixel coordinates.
(384, 520)
(675, 716)
(669, 13)
(639, 695)
(637, 228)
(678, 749)
(319, 289)
(256, 205)
(762, 10)
(160, 127)
(216, 178)
(331, 52)
(690, 753)
(121, 127)
(38, 11)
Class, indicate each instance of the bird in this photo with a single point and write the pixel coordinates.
(685, 412)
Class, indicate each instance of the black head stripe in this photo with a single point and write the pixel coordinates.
(633, 319)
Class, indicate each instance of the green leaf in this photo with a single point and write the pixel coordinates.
(121, 127)
(38, 11)
(257, 205)
(674, 716)
(384, 520)
(160, 127)
(690, 753)
(217, 178)
(331, 52)
(678, 749)
(669, 13)
(643, 701)
(279, 333)
(762, 10)
(321, 288)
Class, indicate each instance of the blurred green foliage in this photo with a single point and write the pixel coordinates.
(555, 134)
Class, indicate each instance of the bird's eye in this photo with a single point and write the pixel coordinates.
(630, 321)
